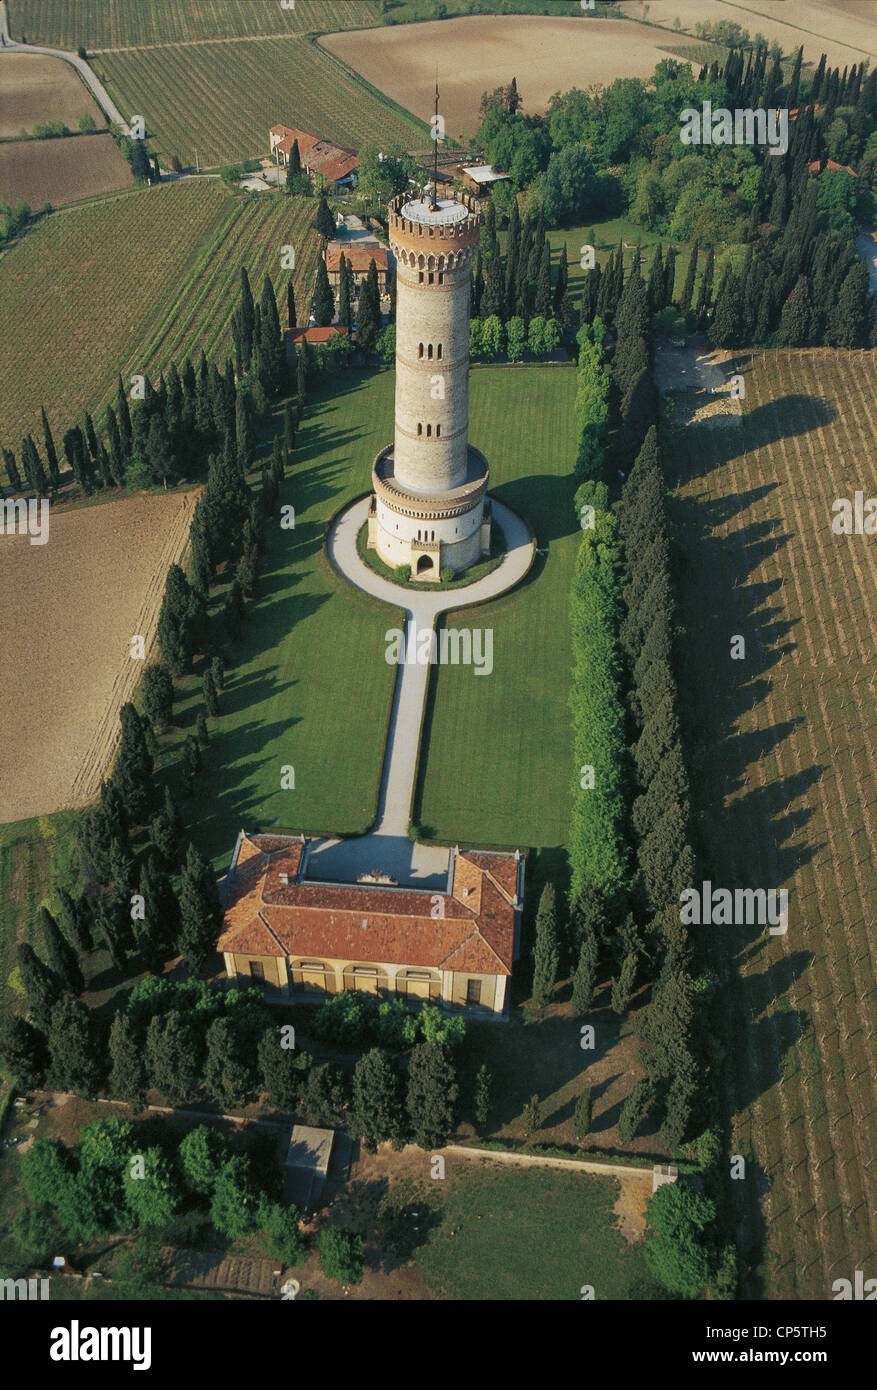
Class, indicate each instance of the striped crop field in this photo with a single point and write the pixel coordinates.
(133, 23)
(220, 99)
(782, 749)
(132, 283)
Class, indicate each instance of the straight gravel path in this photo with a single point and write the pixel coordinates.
(386, 846)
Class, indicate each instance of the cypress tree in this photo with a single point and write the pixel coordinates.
(622, 986)
(345, 313)
(200, 912)
(201, 729)
(376, 1114)
(73, 918)
(669, 287)
(247, 312)
(211, 699)
(545, 952)
(161, 920)
(244, 439)
(12, 470)
(123, 415)
(42, 988)
(33, 466)
(324, 300)
(655, 289)
(323, 221)
(24, 1051)
(431, 1095)
(582, 1115)
(585, 977)
(76, 1063)
(796, 316)
(481, 1097)
(290, 304)
(272, 346)
(132, 773)
(51, 453)
(62, 958)
(493, 297)
(294, 172)
(127, 1072)
(158, 696)
(542, 302)
(688, 287)
(849, 317)
(706, 285)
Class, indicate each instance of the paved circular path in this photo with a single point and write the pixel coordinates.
(387, 846)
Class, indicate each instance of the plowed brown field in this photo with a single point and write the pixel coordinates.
(70, 608)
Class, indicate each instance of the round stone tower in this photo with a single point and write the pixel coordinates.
(429, 508)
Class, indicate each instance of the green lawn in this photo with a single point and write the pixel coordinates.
(529, 1233)
(309, 687)
(498, 762)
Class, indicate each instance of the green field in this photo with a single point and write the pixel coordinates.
(132, 283)
(529, 1233)
(220, 99)
(498, 767)
(132, 23)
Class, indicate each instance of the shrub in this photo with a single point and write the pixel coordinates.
(340, 1255)
(447, 574)
(403, 573)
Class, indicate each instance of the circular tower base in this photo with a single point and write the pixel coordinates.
(430, 532)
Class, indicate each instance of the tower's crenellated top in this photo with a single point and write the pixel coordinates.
(414, 220)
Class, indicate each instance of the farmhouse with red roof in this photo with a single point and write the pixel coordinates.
(331, 162)
(295, 935)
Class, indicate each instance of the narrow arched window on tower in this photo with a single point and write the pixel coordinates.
(420, 277)
(429, 352)
(419, 428)
(432, 278)
(438, 430)
(429, 431)
(439, 352)
(420, 349)
(441, 277)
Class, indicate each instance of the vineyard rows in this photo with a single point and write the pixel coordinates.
(129, 284)
(784, 750)
(132, 23)
(221, 99)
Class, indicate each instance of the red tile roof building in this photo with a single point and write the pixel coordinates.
(456, 947)
(359, 256)
(331, 162)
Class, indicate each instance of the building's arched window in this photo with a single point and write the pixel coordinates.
(420, 349)
(420, 277)
(432, 278)
(429, 431)
(439, 352)
(438, 430)
(429, 353)
(419, 428)
(441, 277)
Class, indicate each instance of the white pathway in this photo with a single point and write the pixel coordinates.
(386, 846)
(95, 86)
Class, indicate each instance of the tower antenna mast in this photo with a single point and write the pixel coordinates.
(433, 207)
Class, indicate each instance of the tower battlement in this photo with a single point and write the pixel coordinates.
(412, 221)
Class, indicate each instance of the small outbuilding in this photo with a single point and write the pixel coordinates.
(307, 1165)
